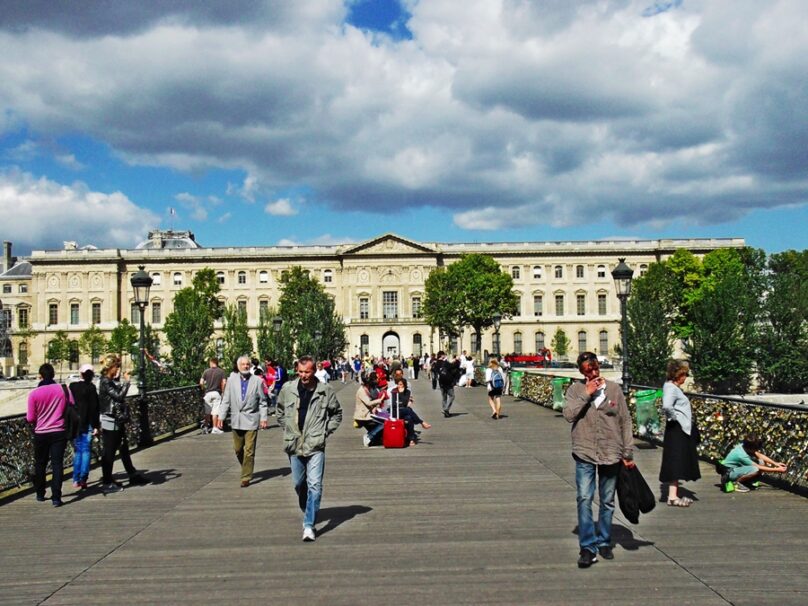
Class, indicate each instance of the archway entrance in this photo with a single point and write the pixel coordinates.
(391, 345)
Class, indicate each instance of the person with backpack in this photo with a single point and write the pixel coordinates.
(85, 395)
(495, 381)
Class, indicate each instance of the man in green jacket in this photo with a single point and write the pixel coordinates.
(308, 412)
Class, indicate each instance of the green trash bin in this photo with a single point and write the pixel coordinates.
(559, 389)
(647, 414)
(516, 382)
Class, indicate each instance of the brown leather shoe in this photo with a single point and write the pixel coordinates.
(245, 483)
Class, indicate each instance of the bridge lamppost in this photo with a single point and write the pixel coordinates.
(622, 275)
(141, 284)
(497, 318)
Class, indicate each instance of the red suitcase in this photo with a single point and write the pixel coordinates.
(394, 434)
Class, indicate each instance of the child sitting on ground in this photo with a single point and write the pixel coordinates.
(744, 464)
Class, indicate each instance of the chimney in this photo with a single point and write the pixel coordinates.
(7, 260)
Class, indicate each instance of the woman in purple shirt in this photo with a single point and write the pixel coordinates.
(46, 411)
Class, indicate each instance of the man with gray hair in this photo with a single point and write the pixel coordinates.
(244, 397)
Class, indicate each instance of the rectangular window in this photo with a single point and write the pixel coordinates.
(416, 307)
(389, 304)
(23, 357)
(559, 271)
(579, 271)
(242, 307)
(156, 313)
(22, 317)
(53, 313)
(517, 342)
(263, 309)
(74, 313)
(96, 313)
(5, 318)
(416, 345)
(538, 305)
(364, 345)
(364, 308)
(604, 343)
(135, 314)
(6, 289)
(474, 344)
(515, 273)
(23, 288)
(601, 305)
(559, 305)
(580, 305)
(581, 341)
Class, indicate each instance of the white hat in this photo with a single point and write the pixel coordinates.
(85, 368)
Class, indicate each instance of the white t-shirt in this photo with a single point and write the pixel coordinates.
(322, 375)
(489, 376)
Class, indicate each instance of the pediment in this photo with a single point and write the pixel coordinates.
(388, 244)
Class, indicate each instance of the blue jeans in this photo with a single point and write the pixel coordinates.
(307, 477)
(81, 456)
(585, 485)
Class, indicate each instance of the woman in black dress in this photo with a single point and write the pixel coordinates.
(680, 460)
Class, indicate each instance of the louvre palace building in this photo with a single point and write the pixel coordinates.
(377, 287)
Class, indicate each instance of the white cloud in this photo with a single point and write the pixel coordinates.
(562, 109)
(43, 213)
(281, 208)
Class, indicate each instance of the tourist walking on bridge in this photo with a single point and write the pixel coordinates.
(244, 397)
(602, 440)
(308, 413)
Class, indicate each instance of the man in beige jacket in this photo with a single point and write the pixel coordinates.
(602, 440)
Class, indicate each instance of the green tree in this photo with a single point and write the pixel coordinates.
(560, 343)
(688, 272)
(782, 359)
(207, 286)
(123, 339)
(188, 329)
(236, 335)
(267, 339)
(159, 374)
(724, 316)
(307, 310)
(470, 292)
(651, 310)
(93, 343)
(58, 348)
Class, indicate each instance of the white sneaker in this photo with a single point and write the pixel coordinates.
(308, 535)
(366, 440)
(216, 430)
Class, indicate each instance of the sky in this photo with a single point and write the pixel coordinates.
(326, 121)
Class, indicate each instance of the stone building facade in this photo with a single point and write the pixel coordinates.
(377, 286)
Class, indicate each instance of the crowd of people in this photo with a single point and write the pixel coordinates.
(308, 412)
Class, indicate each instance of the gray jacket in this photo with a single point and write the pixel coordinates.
(600, 435)
(323, 418)
(248, 413)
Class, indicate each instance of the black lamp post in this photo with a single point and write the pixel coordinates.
(622, 275)
(141, 283)
(497, 323)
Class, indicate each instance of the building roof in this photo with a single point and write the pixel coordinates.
(159, 239)
(21, 270)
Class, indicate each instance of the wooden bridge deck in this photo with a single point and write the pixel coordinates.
(480, 512)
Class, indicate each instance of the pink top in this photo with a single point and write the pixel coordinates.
(46, 408)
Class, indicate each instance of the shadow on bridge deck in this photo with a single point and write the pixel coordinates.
(481, 511)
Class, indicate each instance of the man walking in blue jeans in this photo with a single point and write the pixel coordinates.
(601, 441)
(308, 412)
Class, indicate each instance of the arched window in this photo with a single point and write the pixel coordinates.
(604, 343)
(643, 269)
(157, 278)
(517, 342)
(558, 271)
(263, 276)
(220, 278)
(601, 271)
(242, 277)
(328, 276)
(537, 272)
(177, 277)
(581, 341)
(515, 272)
(539, 341)
(579, 271)
(22, 356)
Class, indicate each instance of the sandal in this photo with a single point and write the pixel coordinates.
(680, 502)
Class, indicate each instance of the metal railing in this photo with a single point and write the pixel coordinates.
(170, 412)
(723, 421)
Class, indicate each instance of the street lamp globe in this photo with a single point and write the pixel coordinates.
(141, 284)
(622, 275)
(277, 322)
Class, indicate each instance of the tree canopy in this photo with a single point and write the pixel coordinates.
(469, 292)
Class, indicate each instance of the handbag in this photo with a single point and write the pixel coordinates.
(71, 417)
